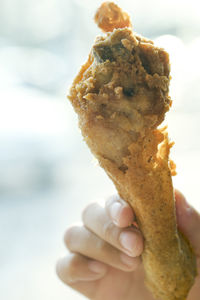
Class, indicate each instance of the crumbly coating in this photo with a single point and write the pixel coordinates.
(109, 16)
(121, 97)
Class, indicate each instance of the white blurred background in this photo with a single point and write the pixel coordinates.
(47, 174)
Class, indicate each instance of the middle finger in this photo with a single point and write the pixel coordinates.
(79, 239)
(128, 240)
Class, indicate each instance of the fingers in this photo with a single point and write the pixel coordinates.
(81, 273)
(119, 211)
(102, 246)
(79, 239)
(128, 240)
(188, 221)
(75, 268)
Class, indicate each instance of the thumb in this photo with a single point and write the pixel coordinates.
(188, 220)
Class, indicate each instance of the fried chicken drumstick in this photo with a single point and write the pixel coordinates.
(121, 96)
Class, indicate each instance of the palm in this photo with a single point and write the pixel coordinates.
(119, 285)
(104, 251)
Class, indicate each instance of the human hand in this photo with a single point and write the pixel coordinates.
(188, 220)
(101, 267)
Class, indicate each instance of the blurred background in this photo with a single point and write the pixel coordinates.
(47, 174)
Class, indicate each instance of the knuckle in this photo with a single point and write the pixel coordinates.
(111, 199)
(90, 207)
(70, 234)
(100, 245)
(58, 269)
(66, 268)
(73, 266)
(62, 271)
(108, 229)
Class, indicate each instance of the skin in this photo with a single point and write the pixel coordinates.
(105, 252)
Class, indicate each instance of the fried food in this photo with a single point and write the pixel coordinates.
(110, 17)
(121, 97)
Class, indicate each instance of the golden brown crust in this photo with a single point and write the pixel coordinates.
(109, 16)
(121, 92)
(121, 96)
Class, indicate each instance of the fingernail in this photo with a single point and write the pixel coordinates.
(115, 212)
(129, 242)
(127, 260)
(96, 267)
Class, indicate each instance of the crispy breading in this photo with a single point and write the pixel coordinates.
(121, 97)
(110, 17)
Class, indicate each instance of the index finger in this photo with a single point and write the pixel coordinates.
(119, 211)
